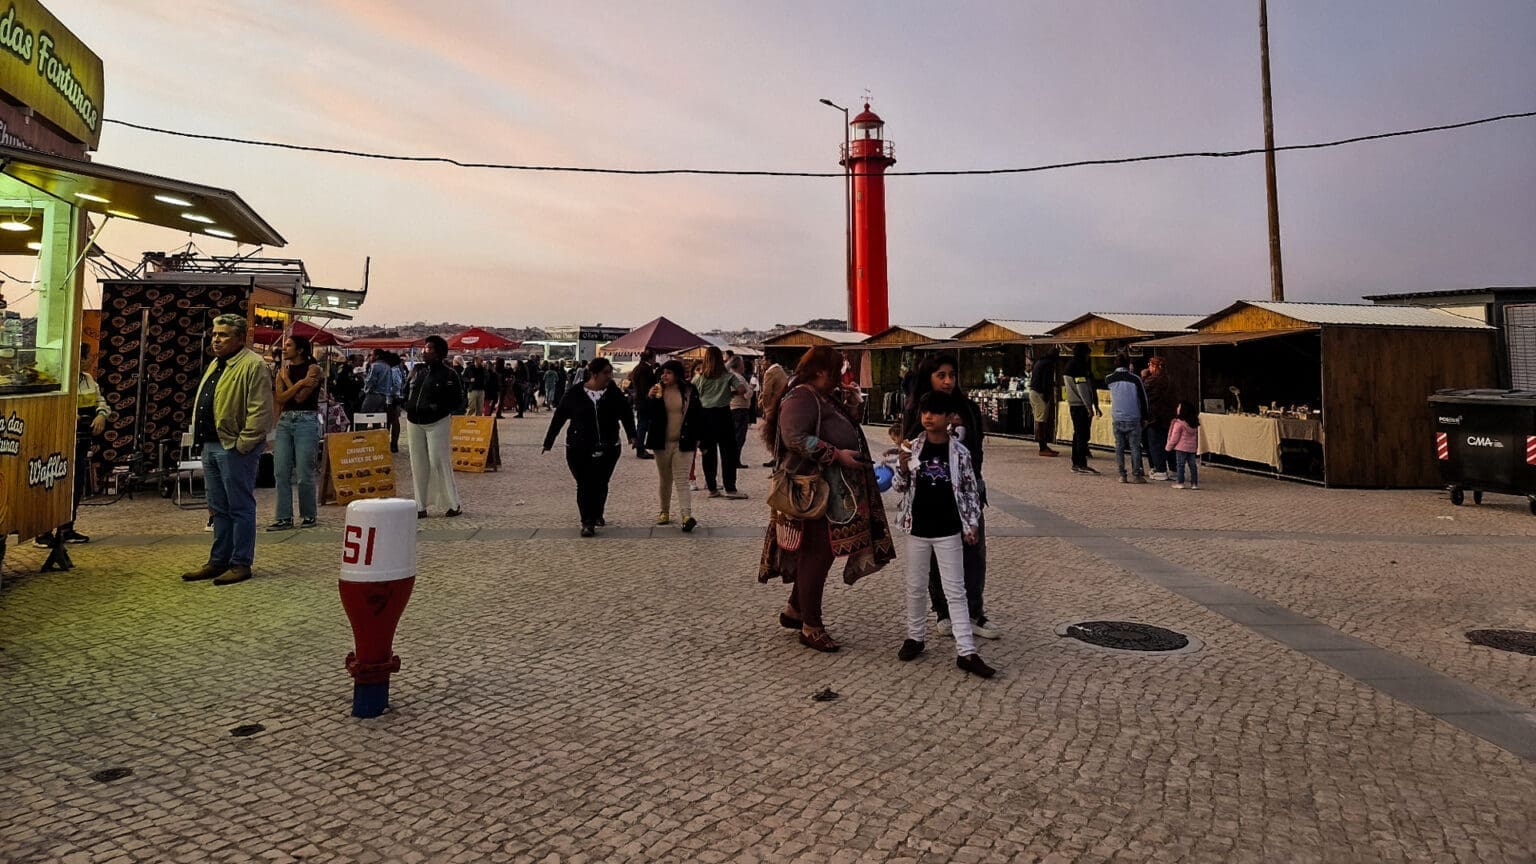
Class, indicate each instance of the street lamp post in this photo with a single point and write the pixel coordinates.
(847, 202)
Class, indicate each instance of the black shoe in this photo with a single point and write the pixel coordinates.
(1089, 469)
(394, 448)
(910, 649)
(309, 523)
(601, 522)
(641, 454)
(588, 531)
(973, 664)
(281, 525)
(789, 623)
(691, 523)
(421, 514)
(44, 541)
(457, 511)
(73, 536)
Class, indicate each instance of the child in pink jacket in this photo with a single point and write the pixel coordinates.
(1184, 444)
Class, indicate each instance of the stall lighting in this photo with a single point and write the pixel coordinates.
(121, 214)
(197, 217)
(86, 196)
(13, 225)
(173, 201)
(35, 246)
(219, 232)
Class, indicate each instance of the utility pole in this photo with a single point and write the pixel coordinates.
(847, 204)
(1276, 272)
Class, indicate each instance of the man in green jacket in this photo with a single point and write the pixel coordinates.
(230, 421)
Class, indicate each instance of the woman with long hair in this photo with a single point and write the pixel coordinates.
(434, 393)
(941, 373)
(673, 416)
(716, 385)
(296, 395)
(811, 433)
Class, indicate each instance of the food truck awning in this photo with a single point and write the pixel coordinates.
(138, 197)
(1234, 337)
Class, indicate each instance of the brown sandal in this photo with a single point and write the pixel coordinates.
(820, 641)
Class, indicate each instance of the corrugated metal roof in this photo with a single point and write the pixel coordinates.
(937, 334)
(1022, 327)
(1370, 315)
(1150, 322)
(842, 337)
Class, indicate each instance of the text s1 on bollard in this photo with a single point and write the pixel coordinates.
(378, 571)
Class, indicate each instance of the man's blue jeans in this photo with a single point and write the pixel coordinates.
(1128, 437)
(298, 439)
(231, 479)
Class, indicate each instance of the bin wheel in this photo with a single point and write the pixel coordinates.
(1477, 496)
(1458, 497)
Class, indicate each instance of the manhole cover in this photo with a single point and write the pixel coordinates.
(247, 730)
(1127, 636)
(1518, 641)
(110, 774)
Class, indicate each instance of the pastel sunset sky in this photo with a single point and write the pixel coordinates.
(735, 85)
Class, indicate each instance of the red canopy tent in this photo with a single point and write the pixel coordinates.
(476, 339)
(271, 335)
(661, 336)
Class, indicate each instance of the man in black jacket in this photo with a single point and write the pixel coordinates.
(641, 380)
(433, 395)
(595, 410)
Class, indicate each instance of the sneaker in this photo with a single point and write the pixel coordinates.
(281, 525)
(454, 512)
(1049, 453)
(309, 523)
(73, 536)
(973, 664)
(1193, 486)
(43, 541)
(1159, 475)
(1089, 469)
(689, 524)
(910, 650)
(1078, 470)
(736, 496)
(693, 487)
(1124, 479)
(943, 628)
(715, 493)
(601, 522)
(1139, 478)
(986, 631)
(209, 526)
(663, 519)
(1178, 486)
(588, 531)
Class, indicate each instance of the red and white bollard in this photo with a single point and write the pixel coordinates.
(378, 571)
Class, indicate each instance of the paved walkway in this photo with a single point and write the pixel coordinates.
(631, 697)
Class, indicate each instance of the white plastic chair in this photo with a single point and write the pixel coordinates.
(370, 421)
(189, 472)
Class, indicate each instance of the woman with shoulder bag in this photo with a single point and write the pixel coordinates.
(433, 395)
(825, 501)
(673, 417)
(595, 410)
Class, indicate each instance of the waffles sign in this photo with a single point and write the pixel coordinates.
(46, 68)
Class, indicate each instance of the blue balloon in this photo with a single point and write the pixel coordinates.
(883, 477)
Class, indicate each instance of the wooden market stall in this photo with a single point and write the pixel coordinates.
(1106, 333)
(1333, 393)
(995, 357)
(884, 358)
(787, 347)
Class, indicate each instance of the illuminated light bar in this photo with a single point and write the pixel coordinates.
(173, 200)
(197, 217)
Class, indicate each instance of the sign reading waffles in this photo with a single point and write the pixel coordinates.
(358, 466)
(475, 445)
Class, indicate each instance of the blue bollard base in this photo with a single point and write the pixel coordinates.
(370, 700)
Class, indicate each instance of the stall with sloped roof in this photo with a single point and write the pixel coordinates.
(1335, 393)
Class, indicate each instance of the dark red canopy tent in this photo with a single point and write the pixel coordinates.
(661, 336)
(271, 335)
(476, 339)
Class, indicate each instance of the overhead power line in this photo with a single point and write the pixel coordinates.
(569, 169)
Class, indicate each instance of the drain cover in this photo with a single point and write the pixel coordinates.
(1518, 641)
(247, 730)
(1127, 636)
(110, 774)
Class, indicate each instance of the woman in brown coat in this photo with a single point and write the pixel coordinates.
(810, 431)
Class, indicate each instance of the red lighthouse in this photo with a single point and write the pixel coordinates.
(867, 156)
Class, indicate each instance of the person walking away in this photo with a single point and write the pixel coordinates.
(296, 396)
(641, 380)
(91, 416)
(811, 434)
(433, 395)
(346, 387)
(1082, 405)
(741, 410)
(1128, 409)
(1184, 444)
(493, 373)
(376, 384)
(595, 411)
(1043, 399)
(775, 381)
(673, 417)
(941, 513)
(716, 385)
(940, 373)
(552, 384)
(231, 416)
(474, 387)
(1161, 404)
(560, 383)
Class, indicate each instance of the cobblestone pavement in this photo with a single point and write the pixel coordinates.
(633, 698)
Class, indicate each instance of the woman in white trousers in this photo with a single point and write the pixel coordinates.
(433, 395)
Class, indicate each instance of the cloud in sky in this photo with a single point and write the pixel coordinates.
(718, 85)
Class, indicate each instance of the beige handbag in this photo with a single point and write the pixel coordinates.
(800, 496)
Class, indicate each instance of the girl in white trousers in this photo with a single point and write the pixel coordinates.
(432, 466)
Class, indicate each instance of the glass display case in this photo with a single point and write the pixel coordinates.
(37, 297)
